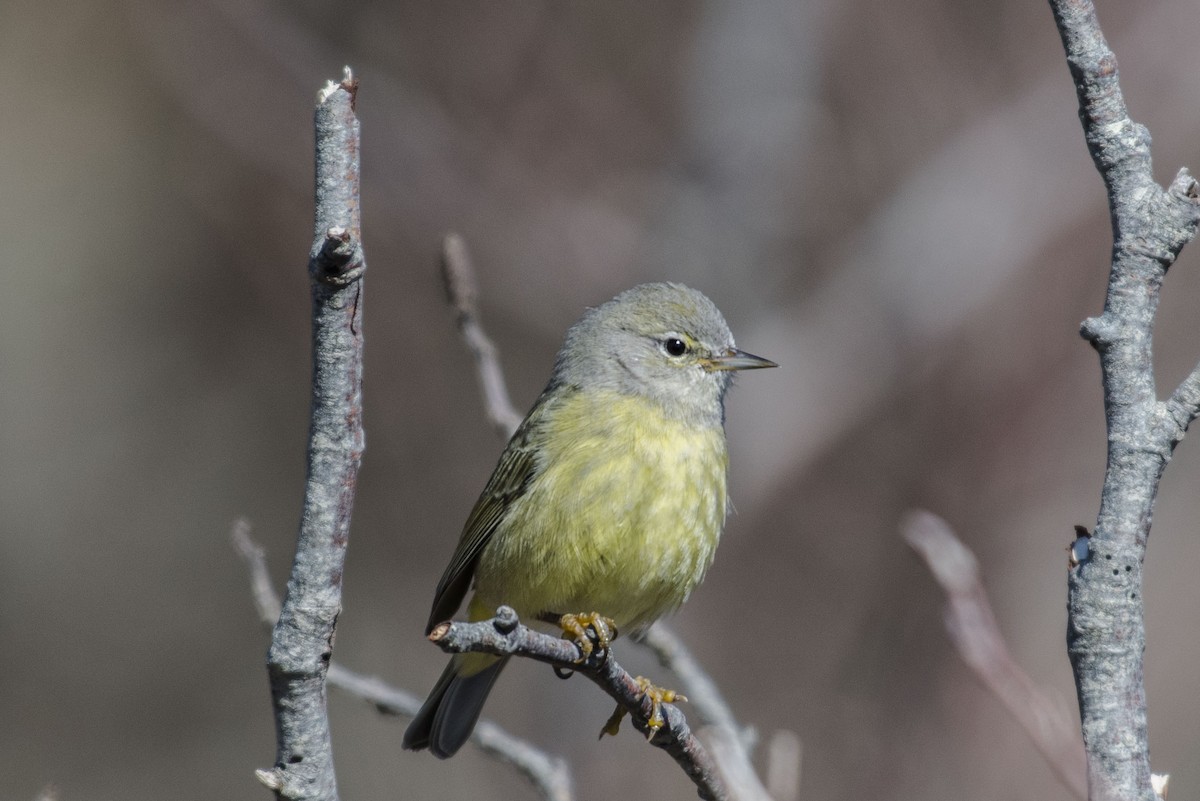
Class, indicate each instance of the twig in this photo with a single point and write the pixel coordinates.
(731, 745)
(973, 630)
(265, 599)
(703, 695)
(504, 635)
(550, 776)
(461, 292)
(302, 642)
(1106, 633)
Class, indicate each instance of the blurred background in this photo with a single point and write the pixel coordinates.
(892, 200)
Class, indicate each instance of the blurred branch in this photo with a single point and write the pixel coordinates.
(731, 745)
(462, 292)
(48, 793)
(550, 776)
(785, 754)
(703, 694)
(302, 641)
(1106, 634)
(733, 756)
(973, 630)
(504, 635)
(265, 599)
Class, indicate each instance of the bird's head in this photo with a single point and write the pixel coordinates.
(665, 342)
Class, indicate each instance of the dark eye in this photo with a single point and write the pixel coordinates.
(674, 346)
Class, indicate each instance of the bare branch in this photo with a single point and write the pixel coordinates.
(1183, 406)
(504, 635)
(462, 291)
(703, 694)
(973, 630)
(731, 745)
(302, 642)
(265, 599)
(550, 776)
(1106, 634)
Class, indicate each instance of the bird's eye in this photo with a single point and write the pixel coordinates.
(674, 346)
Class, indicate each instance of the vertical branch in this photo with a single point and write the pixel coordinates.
(1105, 627)
(302, 642)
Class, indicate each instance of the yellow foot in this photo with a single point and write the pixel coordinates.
(588, 631)
(657, 695)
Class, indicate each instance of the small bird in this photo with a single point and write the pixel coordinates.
(607, 504)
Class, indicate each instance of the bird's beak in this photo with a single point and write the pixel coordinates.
(734, 359)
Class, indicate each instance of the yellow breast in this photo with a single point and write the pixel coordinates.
(622, 519)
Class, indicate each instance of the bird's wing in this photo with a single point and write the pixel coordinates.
(508, 482)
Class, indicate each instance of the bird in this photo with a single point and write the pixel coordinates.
(605, 508)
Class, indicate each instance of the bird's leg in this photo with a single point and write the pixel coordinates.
(657, 695)
(589, 631)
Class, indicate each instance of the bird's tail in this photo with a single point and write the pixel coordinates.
(448, 716)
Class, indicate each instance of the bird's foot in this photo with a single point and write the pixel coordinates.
(658, 696)
(589, 631)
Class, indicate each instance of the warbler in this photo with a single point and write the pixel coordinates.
(608, 500)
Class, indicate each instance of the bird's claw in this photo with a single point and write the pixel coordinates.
(589, 631)
(658, 696)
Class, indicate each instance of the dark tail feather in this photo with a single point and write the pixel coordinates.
(448, 716)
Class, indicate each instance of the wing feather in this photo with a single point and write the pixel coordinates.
(509, 481)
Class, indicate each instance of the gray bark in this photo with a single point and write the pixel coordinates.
(1106, 633)
(302, 641)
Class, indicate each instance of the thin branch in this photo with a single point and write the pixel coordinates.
(550, 776)
(973, 630)
(730, 744)
(265, 599)
(461, 292)
(703, 694)
(733, 756)
(302, 642)
(504, 635)
(1106, 633)
(730, 757)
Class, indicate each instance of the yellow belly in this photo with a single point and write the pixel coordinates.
(623, 518)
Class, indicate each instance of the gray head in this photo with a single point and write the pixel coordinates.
(665, 342)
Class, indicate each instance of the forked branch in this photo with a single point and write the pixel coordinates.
(1105, 628)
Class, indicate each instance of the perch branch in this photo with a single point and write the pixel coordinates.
(973, 630)
(302, 641)
(1105, 626)
(550, 776)
(504, 635)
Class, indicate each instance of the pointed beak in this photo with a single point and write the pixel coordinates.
(734, 359)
